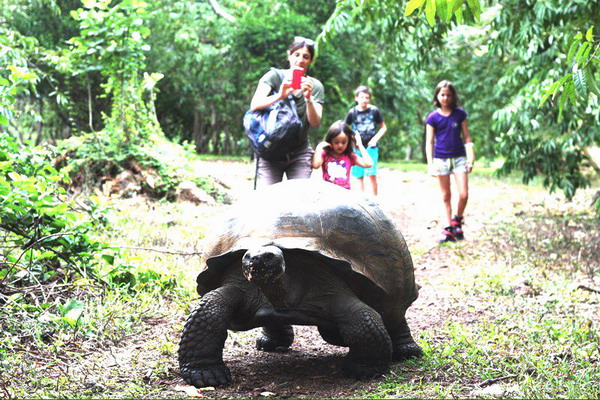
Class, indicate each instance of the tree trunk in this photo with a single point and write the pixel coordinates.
(408, 152)
(197, 131)
(40, 124)
(216, 136)
(423, 137)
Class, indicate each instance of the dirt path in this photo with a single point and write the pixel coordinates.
(312, 368)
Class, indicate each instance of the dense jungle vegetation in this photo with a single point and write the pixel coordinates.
(94, 93)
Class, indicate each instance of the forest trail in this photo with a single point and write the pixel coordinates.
(312, 368)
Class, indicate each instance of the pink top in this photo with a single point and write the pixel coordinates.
(337, 169)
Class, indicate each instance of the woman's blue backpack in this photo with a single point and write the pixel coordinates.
(274, 131)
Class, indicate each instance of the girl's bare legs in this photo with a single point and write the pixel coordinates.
(361, 183)
(462, 183)
(374, 184)
(446, 195)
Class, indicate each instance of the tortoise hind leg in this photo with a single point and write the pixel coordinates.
(332, 336)
(274, 336)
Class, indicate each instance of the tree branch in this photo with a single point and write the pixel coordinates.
(177, 253)
(221, 12)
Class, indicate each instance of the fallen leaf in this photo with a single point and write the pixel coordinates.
(189, 390)
(267, 394)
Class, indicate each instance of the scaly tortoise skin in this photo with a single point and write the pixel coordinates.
(304, 252)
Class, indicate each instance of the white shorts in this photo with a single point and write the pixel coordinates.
(447, 166)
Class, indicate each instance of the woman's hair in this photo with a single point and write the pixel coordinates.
(450, 86)
(341, 127)
(300, 42)
(362, 89)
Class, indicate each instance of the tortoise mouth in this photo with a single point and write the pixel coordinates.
(259, 273)
(263, 265)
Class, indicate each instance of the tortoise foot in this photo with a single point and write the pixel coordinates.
(361, 371)
(406, 351)
(213, 375)
(267, 343)
(274, 338)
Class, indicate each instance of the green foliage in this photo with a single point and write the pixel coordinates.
(112, 41)
(49, 235)
(523, 47)
(16, 78)
(581, 82)
(519, 325)
(460, 11)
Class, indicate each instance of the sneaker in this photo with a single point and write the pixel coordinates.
(457, 227)
(448, 235)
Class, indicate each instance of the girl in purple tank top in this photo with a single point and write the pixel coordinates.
(449, 150)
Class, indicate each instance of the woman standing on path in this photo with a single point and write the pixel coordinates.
(452, 154)
(276, 85)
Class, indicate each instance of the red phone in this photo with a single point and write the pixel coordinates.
(297, 74)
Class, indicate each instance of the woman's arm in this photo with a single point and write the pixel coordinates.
(429, 132)
(314, 111)
(262, 99)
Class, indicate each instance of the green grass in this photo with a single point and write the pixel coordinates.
(483, 170)
(520, 327)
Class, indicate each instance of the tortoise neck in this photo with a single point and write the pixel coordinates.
(275, 293)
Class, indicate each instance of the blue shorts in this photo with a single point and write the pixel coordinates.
(447, 166)
(360, 172)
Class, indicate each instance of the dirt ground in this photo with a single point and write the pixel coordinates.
(312, 368)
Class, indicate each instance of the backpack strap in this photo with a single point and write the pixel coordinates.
(256, 173)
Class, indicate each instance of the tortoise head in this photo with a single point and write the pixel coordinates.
(263, 265)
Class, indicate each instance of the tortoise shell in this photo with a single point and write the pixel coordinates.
(343, 228)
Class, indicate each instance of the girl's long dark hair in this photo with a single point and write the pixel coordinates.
(335, 129)
(450, 86)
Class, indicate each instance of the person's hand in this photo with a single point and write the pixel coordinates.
(358, 139)
(307, 87)
(321, 146)
(433, 171)
(373, 143)
(285, 89)
(469, 166)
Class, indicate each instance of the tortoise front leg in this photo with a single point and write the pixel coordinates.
(363, 331)
(201, 347)
(403, 345)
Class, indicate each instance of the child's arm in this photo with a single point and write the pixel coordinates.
(380, 133)
(317, 160)
(469, 148)
(429, 131)
(365, 160)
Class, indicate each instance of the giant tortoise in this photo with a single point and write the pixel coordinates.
(303, 252)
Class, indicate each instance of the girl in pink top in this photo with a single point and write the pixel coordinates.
(335, 155)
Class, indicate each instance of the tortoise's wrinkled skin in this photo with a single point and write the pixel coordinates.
(304, 252)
